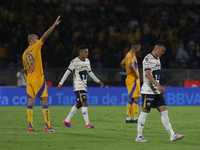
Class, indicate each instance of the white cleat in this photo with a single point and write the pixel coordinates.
(176, 137)
(140, 139)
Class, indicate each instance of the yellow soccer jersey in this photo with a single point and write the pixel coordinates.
(32, 61)
(130, 58)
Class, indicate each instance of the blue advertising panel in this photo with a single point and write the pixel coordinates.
(174, 96)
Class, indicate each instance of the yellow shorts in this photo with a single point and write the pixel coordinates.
(36, 88)
(133, 86)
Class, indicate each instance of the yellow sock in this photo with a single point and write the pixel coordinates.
(46, 115)
(129, 109)
(135, 109)
(29, 111)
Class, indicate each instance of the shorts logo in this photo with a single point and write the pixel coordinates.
(84, 97)
(148, 104)
(149, 99)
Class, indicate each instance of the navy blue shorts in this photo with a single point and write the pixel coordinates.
(81, 96)
(153, 101)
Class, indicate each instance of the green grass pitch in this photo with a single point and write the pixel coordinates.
(110, 132)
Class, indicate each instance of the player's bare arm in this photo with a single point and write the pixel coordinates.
(152, 79)
(123, 64)
(59, 87)
(50, 30)
(101, 84)
(133, 70)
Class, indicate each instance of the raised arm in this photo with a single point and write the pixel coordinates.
(50, 30)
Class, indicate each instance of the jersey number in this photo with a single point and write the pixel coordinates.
(83, 75)
(30, 60)
(156, 75)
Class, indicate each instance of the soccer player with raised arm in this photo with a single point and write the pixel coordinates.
(36, 87)
(132, 82)
(80, 67)
(152, 93)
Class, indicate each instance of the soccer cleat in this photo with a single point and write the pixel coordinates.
(135, 121)
(176, 137)
(140, 139)
(49, 129)
(68, 124)
(129, 121)
(31, 129)
(89, 126)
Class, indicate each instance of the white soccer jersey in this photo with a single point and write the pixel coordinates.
(153, 64)
(80, 70)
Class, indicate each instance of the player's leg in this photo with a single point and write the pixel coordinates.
(135, 109)
(129, 111)
(136, 101)
(165, 119)
(46, 114)
(29, 110)
(30, 114)
(142, 117)
(141, 121)
(73, 110)
(129, 107)
(83, 98)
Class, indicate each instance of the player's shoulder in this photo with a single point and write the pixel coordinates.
(148, 57)
(130, 55)
(73, 61)
(87, 60)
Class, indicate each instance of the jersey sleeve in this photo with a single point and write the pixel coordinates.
(129, 59)
(147, 64)
(38, 44)
(124, 61)
(89, 67)
(72, 65)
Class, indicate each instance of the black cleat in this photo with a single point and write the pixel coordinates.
(129, 121)
(135, 121)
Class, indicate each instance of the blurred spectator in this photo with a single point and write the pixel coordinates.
(96, 57)
(132, 23)
(182, 57)
(21, 78)
(3, 56)
(110, 25)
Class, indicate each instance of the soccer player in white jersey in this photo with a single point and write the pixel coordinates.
(152, 93)
(80, 67)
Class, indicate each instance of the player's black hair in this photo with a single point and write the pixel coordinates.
(161, 43)
(134, 44)
(82, 47)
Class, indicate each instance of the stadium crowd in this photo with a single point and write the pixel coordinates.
(107, 29)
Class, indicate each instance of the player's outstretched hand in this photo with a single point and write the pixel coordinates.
(101, 84)
(59, 87)
(57, 21)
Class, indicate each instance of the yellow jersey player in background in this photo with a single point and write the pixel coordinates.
(36, 87)
(132, 82)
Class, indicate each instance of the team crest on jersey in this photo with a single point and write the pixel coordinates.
(146, 59)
